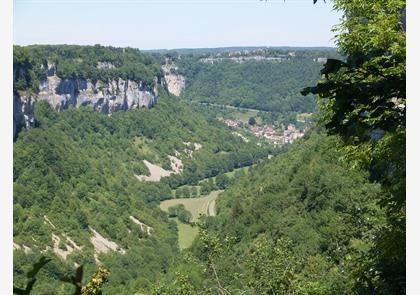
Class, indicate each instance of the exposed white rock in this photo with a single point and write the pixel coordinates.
(26, 249)
(47, 221)
(191, 147)
(23, 107)
(23, 247)
(73, 243)
(176, 164)
(105, 97)
(103, 245)
(69, 248)
(197, 146)
(175, 82)
(157, 172)
(188, 152)
(143, 227)
(241, 136)
(105, 65)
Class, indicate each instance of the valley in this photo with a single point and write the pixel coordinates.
(192, 172)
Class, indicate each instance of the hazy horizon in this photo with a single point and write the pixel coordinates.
(192, 48)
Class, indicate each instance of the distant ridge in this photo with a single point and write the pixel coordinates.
(234, 48)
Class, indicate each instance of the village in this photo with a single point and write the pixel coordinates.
(289, 134)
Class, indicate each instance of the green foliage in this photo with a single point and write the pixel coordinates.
(76, 280)
(305, 222)
(94, 286)
(31, 64)
(261, 85)
(272, 266)
(179, 211)
(299, 224)
(363, 99)
(222, 181)
(31, 276)
(252, 121)
(207, 186)
(25, 74)
(181, 285)
(77, 168)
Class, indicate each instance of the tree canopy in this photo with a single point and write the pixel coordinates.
(363, 99)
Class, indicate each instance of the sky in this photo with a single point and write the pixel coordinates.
(168, 24)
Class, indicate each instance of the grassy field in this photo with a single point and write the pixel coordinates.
(186, 234)
(196, 206)
(244, 115)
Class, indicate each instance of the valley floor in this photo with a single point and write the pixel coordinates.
(197, 207)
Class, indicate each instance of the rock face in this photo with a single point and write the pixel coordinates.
(175, 82)
(23, 107)
(104, 97)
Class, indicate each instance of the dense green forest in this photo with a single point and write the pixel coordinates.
(328, 216)
(97, 62)
(302, 223)
(264, 85)
(77, 168)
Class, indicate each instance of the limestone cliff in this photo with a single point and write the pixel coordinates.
(174, 81)
(104, 97)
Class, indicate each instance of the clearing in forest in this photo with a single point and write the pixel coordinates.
(186, 234)
(157, 172)
(196, 206)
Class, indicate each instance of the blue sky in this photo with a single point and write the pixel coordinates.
(152, 24)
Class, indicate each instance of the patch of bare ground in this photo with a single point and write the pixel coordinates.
(23, 247)
(176, 164)
(143, 227)
(70, 247)
(103, 245)
(157, 172)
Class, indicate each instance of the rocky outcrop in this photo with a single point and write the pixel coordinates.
(174, 81)
(23, 107)
(157, 172)
(104, 97)
(143, 227)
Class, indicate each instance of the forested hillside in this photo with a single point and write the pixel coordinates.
(33, 63)
(259, 83)
(79, 197)
(323, 213)
(302, 223)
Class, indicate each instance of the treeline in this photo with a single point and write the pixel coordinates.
(206, 186)
(82, 62)
(312, 52)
